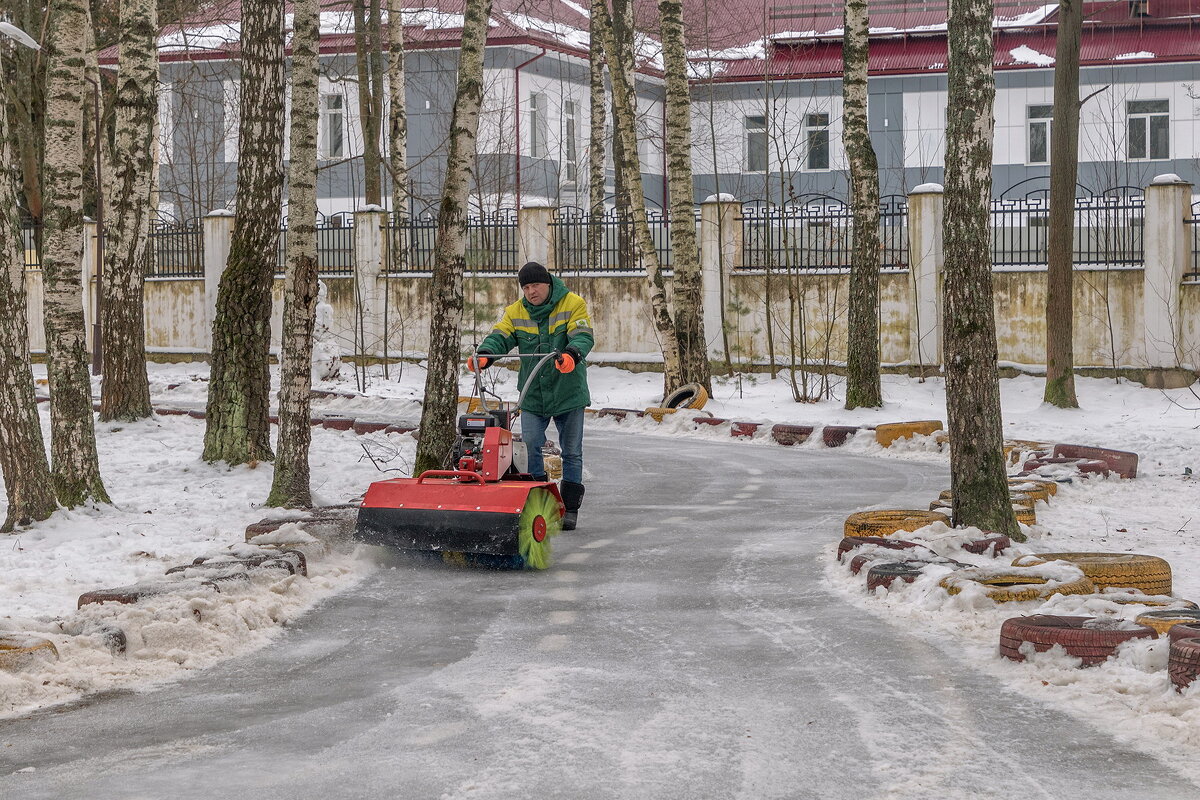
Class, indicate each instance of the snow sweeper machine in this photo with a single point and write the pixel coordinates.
(488, 511)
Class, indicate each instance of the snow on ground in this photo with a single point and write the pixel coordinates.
(169, 507)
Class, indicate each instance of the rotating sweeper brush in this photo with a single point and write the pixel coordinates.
(487, 512)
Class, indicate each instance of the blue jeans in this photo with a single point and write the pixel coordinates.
(570, 440)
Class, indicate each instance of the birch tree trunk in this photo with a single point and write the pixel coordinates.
(22, 453)
(630, 167)
(1064, 166)
(437, 433)
(862, 357)
(398, 136)
(688, 297)
(977, 469)
(125, 389)
(237, 429)
(367, 48)
(75, 468)
(596, 139)
(290, 485)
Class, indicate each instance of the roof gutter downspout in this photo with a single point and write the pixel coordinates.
(517, 121)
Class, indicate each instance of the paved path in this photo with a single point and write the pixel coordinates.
(681, 647)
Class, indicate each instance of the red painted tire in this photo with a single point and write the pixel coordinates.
(1183, 663)
(849, 543)
(1092, 645)
(886, 574)
(1184, 630)
(1086, 466)
(993, 544)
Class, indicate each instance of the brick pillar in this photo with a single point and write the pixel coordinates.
(535, 235)
(217, 230)
(720, 244)
(1168, 204)
(369, 226)
(926, 258)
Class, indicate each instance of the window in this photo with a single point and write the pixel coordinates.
(756, 144)
(1148, 132)
(537, 125)
(816, 136)
(1139, 8)
(333, 126)
(1040, 118)
(166, 123)
(570, 141)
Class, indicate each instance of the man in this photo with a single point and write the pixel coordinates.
(548, 318)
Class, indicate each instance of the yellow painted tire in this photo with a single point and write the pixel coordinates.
(1014, 586)
(1025, 516)
(690, 395)
(888, 433)
(885, 523)
(18, 649)
(1139, 599)
(1023, 499)
(1037, 488)
(1148, 574)
(657, 413)
(1163, 620)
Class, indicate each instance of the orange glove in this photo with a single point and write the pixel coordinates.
(565, 363)
(477, 363)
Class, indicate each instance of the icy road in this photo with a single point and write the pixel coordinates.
(682, 646)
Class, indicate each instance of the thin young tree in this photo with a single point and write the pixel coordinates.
(75, 466)
(238, 430)
(22, 452)
(436, 433)
(290, 485)
(125, 389)
(1064, 168)
(597, 137)
(620, 66)
(862, 355)
(688, 296)
(977, 469)
(397, 134)
(368, 51)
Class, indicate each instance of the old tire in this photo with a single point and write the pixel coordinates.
(690, 395)
(1089, 639)
(1149, 574)
(1014, 586)
(1164, 620)
(1037, 488)
(888, 433)
(849, 543)
(1183, 662)
(886, 523)
(887, 573)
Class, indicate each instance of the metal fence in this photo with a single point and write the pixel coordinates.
(1193, 228)
(608, 242)
(176, 251)
(493, 242)
(335, 246)
(1108, 228)
(815, 233)
(29, 241)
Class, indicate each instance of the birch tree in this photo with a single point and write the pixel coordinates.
(620, 66)
(862, 357)
(22, 452)
(368, 50)
(125, 390)
(1064, 167)
(238, 430)
(290, 484)
(75, 467)
(397, 135)
(436, 433)
(597, 138)
(977, 470)
(688, 297)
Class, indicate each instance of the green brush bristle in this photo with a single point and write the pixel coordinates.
(541, 502)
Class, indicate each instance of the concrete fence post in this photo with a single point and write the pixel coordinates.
(720, 244)
(1168, 204)
(369, 226)
(535, 235)
(87, 268)
(926, 258)
(217, 231)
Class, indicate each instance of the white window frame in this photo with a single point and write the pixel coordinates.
(166, 123)
(538, 108)
(754, 127)
(570, 169)
(814, 126)
(1146, 120)
(231, 100)
(327, 122)
(1046, 121)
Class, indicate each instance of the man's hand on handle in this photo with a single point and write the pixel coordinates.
(479, 361)
(567, 360)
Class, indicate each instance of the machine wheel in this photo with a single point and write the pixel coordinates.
(540, 521)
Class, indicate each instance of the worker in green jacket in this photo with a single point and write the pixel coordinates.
(548, 318)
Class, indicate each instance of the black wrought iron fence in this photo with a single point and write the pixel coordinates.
(1108, 228)
(815, 232)
(29, 241)
(176, 250)
(1193, 228)
(409, 245)
(335, 246)
(493, 242)
(607, 242)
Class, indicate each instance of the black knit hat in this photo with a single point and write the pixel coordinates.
(533, 272)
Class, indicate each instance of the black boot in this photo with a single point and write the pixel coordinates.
(572, 495)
